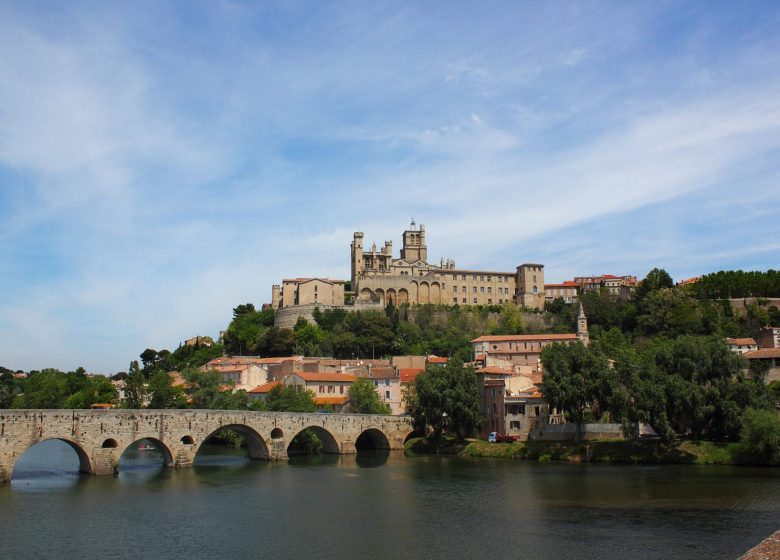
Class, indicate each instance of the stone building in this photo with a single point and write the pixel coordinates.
(304, 291)
(378, 277)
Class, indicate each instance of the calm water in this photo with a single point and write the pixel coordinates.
(378, 506)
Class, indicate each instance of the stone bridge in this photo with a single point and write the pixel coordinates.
(99, 437)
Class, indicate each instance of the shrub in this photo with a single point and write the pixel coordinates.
(760, 437)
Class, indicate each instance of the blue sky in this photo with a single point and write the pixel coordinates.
(161, 163)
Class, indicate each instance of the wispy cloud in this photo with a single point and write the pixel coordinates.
(155, 171)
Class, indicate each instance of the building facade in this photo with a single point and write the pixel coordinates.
(378, 277)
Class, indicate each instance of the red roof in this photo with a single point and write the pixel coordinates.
(741, 341)
(437, 360)
(306, 376)
(495, 370)
(762, 353)
(567, 284)
(409, 374)
(525, 337)
(330, 400)
(265, 388)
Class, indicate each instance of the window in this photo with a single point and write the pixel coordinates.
(536, 411)
(514, 425)
(494, 407)
(500, 278)
(387, 394)
(463, 277)
(488, 278)
(464, 300)
(490, 290)
(490, 301)
(322, 389)
(454, 300)
(331, 389)
(482, 289)
(475, 300)
(454, 288)
(481, 278)
(341, 389)
(387, 382)
(500, 300)
(506, 291)
(376, 383)
(474, 277)
(475, 289)
(464, 289)
(534, 277)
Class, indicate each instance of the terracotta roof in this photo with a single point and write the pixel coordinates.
(762, 353)
(306, 376)
(495, 370)
(409, 374)
(741, 341)
(437, 360)
(265, 388)
(330, 400)
(525, 337)
(302, 280)
(567, 284)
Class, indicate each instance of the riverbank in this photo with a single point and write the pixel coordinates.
(636, 452)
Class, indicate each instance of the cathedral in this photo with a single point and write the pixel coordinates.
(377, 278)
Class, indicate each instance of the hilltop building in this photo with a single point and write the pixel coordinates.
(378, 277)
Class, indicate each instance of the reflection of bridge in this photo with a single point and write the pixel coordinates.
(100, 436)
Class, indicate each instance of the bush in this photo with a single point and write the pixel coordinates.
(760, 438)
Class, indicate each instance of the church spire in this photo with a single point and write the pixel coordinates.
(582, 327)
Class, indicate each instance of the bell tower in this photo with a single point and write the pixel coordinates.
(414, 248)
(582, 327)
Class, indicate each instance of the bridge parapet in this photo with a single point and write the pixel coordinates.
(99, 437)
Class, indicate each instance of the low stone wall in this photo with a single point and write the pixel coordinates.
(286, 317)
(768, 549)
(568, 432)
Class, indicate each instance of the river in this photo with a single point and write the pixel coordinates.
(380, 505)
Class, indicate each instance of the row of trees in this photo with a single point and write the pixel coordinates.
(691, 385)
(52, 388)
(660, 309)
(738, 284)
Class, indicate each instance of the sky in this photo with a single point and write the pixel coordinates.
(161, 163)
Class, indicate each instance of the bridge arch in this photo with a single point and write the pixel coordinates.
(164, 450)
(257, 446)
(329, 443)
(85, 464)
(372, 438)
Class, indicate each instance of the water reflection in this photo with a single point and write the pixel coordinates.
(380, 505)
(48, 465)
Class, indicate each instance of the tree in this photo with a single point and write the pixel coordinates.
(577, 380)
(288, 398)
(448, 400)
(97, 389)
(363, 398)
(47, 388)
(760, 437)
(205, 388)
(135, 387)
(162, 393)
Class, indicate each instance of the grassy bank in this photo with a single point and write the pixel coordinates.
(649, 452)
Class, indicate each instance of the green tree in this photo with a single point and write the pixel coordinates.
(205, 389)
(97, 389)
(162, 393)
(447, 400)
(760, 437)
(288, 398)
(47, 388)
(135, 387)
(363, 398)
(577, 380)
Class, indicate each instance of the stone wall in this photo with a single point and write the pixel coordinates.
(100, 436)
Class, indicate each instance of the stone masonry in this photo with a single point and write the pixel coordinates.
(99, 437)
